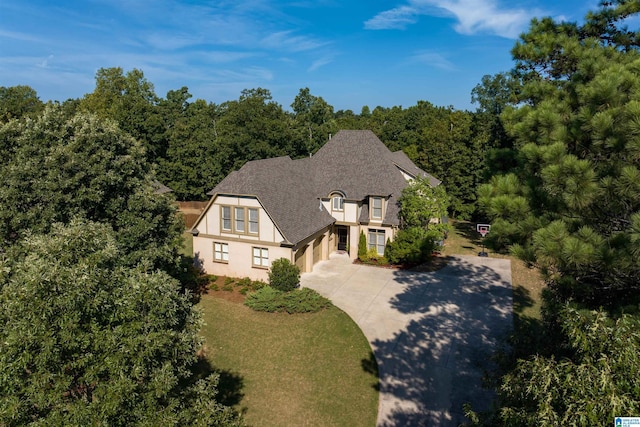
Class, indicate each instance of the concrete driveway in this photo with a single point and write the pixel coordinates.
(432, 333)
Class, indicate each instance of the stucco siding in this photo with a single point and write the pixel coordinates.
(240, 258)
(351, 212)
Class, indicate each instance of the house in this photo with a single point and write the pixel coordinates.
(304, 209)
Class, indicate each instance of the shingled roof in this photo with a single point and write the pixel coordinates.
(354, 162)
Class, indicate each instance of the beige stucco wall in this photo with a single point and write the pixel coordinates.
(240, 245)
(240, 258)
(349, 214)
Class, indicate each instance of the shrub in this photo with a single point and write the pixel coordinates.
(300, 301)
(244, 290)
(284, 276)
(229, 281)
(244, 282)
(214, 287)
(413, 245)
(258, 284)
(228, 288)
(362, 247)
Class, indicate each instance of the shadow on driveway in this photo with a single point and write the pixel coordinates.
(432, 334)
(435, 365)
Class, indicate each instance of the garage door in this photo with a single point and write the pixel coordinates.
(300, 259)
(317, 249)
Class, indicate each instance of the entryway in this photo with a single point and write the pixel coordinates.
(343, 237)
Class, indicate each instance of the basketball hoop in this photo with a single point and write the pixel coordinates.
(483, 229)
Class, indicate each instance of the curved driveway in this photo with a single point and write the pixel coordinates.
(432, 333)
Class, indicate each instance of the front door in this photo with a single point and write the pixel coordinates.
(343, 237)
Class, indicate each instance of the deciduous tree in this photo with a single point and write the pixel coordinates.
(87, 340)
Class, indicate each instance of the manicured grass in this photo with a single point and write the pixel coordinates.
(291, 370)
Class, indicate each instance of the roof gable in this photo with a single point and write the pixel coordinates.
(354, 162)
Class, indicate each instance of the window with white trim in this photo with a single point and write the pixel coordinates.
(376, 240)
(376, 208)
(260, 257)
(337, 202)
(239, 220)
(226, 218)
(220, 252)
(253, 220)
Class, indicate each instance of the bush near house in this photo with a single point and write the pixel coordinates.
(413, 245)
(300, 301)
(362, 247)
(284, 276)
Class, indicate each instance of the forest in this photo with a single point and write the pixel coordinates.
(193, 144)
(550, 158)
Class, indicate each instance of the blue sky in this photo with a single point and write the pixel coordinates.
(351, 53)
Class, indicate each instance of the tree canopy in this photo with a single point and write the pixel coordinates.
(87, 340)
(60, 168)
(571, 206)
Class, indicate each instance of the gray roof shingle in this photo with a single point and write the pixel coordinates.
(354, 162)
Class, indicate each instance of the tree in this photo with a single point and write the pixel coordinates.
(129, 99)
(18, 101)
(575, 202)
(87, 340)
(419, 203)
(59, 169)
(572, 207)
(600, 382)
(315, 116)
(252, 128)
(283, 275)
(192, 165)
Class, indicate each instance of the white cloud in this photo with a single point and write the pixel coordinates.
(434, 59)
(320, 63)
(285, 40)
(472, 16)
(397, 18)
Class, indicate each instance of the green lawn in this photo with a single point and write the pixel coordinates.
(291, 370)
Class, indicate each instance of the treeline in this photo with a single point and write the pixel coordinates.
(194, 144)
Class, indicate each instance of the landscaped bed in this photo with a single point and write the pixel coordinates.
(290, 370)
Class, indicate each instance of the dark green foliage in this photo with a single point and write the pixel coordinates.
(17, 102)
(130, 100)
(598, 383)
(411, 246)
(62, 168)
(283, 275)
(572, 207)
(420, 204)
(244, 282)
(191, 165)
(362, 247)
(229, 281)
(88, 340)
(314, 119)
(272, 300)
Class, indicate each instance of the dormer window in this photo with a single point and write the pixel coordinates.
(337, 202)
(376, 208)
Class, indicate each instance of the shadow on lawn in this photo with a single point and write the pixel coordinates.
(370, 366)
(230, 384)
(437, 363)
(468, 231)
